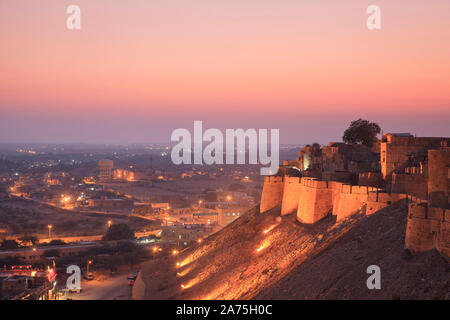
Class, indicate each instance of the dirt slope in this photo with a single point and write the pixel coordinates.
(327, 260)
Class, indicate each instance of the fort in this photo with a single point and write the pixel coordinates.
(340, 180)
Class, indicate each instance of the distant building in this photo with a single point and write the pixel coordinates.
(206, 217)
(227, 215)
(159, 207)
(124, 175)
(27, 284)
(124, 204)
(183, 234)
(105, 169)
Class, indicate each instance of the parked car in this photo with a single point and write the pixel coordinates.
(132, 278)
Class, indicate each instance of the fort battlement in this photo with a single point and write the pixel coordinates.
(313, 199)
(413, 199)
(350, 199)
(314, 183)
(377, 201)
(292, 180)
(351, 189)
(274, 179)
(428, 228)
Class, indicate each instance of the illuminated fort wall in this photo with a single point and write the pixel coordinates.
(272, 194)
(313, 200)
(428, 224)
(291, 195)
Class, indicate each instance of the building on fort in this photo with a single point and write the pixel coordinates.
(341, 180)
(402, 150)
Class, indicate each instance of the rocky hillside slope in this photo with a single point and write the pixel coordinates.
(261, 256)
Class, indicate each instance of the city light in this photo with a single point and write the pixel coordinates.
(183, 272)
(263, 246)
(270, 228)
(175, 252)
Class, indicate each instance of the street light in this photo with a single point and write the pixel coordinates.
(109, 223)
(49, 230)
(87, 267)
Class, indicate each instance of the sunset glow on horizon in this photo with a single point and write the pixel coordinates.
(136, 71)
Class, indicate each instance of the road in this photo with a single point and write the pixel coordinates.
(115, 288)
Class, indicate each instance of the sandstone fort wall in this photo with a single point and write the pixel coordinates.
(415, 185)
(272, 194)
(291, 195)
(439, 178)
(316, 201)
(428, 228)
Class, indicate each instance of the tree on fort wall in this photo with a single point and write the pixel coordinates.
(362, 132)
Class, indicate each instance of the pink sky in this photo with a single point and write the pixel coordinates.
(139, 69)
